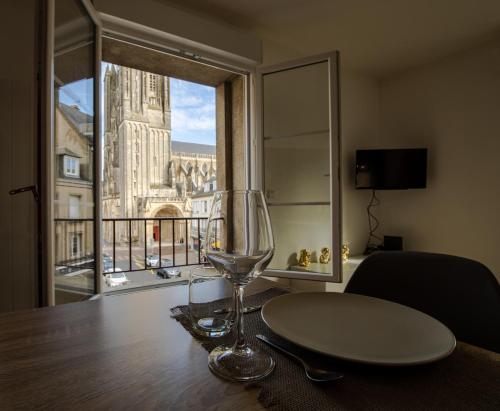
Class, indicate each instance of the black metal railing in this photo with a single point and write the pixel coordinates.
(183, 242)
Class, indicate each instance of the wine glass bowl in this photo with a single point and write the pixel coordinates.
(239, 243)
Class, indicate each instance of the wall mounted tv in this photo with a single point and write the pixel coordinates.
(396, 169)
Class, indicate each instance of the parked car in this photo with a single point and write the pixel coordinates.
(152, 260)
(167, 273)
(107, 262)
(117, 278)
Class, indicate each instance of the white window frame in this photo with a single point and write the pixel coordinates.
(71, 170)
(335, 158)
(48, 160)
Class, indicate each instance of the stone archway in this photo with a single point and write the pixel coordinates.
(170, 229)
(167, 227)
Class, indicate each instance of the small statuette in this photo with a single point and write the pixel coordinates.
(324, 258)
(345, 253)
(304, 258)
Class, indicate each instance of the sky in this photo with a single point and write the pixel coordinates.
(192, 105)
(193, 112)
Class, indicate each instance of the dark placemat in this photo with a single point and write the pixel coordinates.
(467, 380)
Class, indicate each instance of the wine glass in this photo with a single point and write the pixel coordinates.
(239, 243)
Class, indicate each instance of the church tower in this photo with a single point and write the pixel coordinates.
(137, 145)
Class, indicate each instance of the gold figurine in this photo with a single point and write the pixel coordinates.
(345, 253)
(304, 258)
(324, 258)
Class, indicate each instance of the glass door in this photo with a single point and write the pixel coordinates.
(298, 149)
(75, 151)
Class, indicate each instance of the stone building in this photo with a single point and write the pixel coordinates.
(145, 174)
(74, 202)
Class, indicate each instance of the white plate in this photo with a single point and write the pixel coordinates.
(359, 328)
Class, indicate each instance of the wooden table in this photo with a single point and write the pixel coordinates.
(125, 352)
(117, 352)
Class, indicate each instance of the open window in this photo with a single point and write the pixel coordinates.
(159, 175)
(114, 197)
(298, 163)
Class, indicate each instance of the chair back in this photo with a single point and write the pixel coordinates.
(461, 293)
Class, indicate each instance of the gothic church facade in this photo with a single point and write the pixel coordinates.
(145, 174)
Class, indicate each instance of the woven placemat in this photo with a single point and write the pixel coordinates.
(467, 380)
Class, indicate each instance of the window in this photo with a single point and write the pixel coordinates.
(76, 245)
(71, 166)
(205, 208)
(152, 82)
(74, 206)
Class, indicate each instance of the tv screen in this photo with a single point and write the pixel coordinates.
(397, 169)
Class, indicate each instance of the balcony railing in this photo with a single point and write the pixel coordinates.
(147, 243)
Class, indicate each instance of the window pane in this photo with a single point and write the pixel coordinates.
(74, 72)
(296, 228)
(296, 120)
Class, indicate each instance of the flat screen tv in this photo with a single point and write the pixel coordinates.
(396, 169)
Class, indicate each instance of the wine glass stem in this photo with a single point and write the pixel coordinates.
(240, 336)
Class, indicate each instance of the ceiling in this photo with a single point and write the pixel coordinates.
(375, 37)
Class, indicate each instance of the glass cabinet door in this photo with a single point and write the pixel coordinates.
(299, 152)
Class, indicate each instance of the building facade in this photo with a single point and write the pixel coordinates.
(74, 201)
(145, 173)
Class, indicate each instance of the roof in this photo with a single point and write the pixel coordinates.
(183, 147)
(75, 116)
(67, 152)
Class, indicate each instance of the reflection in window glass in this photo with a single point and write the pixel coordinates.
(74, 123)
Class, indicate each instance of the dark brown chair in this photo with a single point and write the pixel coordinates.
(463, 294)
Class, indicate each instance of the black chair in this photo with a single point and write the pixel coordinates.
(463, 294)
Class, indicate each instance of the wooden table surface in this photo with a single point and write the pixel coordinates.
(125, 352)
(118, 352)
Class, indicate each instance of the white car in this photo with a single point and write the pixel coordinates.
(117, 278)
(152, 260)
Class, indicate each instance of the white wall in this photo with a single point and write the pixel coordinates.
(453, 108)
(200, 34)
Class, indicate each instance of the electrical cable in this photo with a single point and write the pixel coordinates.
(374, 202)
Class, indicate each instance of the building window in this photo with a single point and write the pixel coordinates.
(74, 206)
(152, 82)
(76, 245)
(71, 166)
(205, 207)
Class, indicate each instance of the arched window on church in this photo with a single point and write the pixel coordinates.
(154, 99)
(152, 82)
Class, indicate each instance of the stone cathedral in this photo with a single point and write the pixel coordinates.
(145, 174)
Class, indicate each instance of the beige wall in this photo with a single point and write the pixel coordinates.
(453, 108)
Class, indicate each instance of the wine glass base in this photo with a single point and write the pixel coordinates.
(240, 364)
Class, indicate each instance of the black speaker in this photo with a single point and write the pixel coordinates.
(393, 243)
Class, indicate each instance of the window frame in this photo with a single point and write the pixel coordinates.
(67, 169)
(335, 159)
